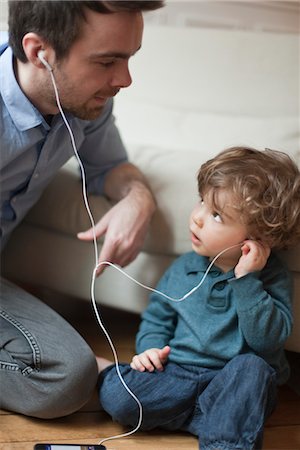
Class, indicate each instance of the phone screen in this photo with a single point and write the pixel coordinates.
(68, 447)
(71, 447)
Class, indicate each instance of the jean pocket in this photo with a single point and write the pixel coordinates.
(19, 350)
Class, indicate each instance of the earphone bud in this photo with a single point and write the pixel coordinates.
(42, 59)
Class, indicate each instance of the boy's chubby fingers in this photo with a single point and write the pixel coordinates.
(156, 361)
(142, 362)
(136, 364)
(150, 360)
(164, 353)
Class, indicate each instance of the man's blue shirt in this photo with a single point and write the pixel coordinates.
(32, 151)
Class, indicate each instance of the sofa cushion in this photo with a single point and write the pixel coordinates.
(61, 207)
(172, 176)
(185, 130)
(220, 71)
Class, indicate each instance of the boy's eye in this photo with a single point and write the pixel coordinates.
(217, 217)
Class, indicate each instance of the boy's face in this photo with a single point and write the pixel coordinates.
(96, 67)
(213, 231)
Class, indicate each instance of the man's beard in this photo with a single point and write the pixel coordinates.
(83, 112)
(69, 101)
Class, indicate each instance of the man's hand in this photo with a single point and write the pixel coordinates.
(254, 257)
(125, 225)
(151, 359)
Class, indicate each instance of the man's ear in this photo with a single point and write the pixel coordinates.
(32, 44)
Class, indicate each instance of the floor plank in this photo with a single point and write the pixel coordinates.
(282, 438)
(21, 432)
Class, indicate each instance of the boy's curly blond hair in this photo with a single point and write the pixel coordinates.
(266, 187)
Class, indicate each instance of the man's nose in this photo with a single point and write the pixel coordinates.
(121, 77)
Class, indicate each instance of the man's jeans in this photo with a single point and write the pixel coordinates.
(225, 408)
(46, 368)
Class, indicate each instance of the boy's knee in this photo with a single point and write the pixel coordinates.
(248, 361)
(254, 369)
(116, 400)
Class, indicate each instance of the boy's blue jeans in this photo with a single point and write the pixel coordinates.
(225, 408)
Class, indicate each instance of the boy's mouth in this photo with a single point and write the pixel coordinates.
(195, 239)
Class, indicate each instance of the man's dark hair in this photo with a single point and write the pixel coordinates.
(59, 22)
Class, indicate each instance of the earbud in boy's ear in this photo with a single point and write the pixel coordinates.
(42, 59)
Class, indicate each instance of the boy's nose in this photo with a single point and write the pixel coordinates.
(198, 220)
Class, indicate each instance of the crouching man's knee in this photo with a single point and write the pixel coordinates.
(72, 388)
(53, 388)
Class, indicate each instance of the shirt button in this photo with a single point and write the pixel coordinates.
(215, 274)
(36, 175)
(220, 286)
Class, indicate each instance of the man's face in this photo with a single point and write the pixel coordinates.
(96, 67)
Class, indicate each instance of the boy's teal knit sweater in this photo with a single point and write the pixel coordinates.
(225, 317)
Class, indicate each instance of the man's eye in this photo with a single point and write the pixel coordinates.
(106, 63)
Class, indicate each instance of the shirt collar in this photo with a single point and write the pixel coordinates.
(199, 264)
(23, 113)
(196, 263)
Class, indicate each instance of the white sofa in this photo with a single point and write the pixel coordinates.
(195, 92)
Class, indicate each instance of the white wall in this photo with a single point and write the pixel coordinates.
(3, 15)
(275, 15)
(278, 16)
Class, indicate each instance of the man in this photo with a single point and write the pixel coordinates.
(47, 370)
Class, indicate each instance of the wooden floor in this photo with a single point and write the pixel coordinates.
(90, 425)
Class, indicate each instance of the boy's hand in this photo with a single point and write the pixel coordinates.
(151, 359)
(254, 257)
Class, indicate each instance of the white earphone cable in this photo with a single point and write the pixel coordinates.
(185, 296)
(85, 197)
(97, 265)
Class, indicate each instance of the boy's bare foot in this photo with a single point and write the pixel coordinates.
(102, 363)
